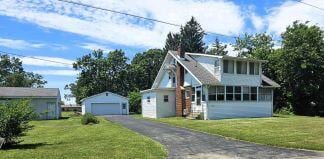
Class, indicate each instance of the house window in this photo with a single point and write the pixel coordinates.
(229, 92)
(187, 93)
(253, 93)
(173, 79)
(166, 98)
(148, 99)
(246, 93)
(237, 93)
(265, 94)
(241, 67)
(193, 94)
(212, 93)
(228, 66)
(220, 93)
(106, 94)
(254, 68)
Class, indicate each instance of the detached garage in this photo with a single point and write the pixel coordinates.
(105, 103)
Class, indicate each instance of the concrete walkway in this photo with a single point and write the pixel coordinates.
(184, 143)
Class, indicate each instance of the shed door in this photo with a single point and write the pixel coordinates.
(105, 108)
(51, 110)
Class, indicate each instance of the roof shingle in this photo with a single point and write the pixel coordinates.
(28, 92)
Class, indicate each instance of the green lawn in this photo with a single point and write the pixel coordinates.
(285, 131)
(67, 138)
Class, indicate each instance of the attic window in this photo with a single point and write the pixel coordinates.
(106, 94)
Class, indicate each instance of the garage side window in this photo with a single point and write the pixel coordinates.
(166, 98)
(148, 99)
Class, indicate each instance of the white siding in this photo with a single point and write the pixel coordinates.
(240, 80)
(165, 109)
(165, 81)
(207, 62)
(149, 108)
(189, 80)
(102, 98)
(228, 109)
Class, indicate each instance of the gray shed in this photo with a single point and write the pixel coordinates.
(46, 101)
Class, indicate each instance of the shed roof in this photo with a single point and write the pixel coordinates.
(21, 92)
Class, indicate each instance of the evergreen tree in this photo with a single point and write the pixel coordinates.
(218, 48)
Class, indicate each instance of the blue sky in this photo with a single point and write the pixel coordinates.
(62, 32)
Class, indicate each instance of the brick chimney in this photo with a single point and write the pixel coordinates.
(180, 91)
(180, 51)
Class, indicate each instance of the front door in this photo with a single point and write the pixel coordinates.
(198, 97)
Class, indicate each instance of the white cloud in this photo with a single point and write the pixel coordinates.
(47, 61)
(257, 21)
(57, 72)
(19, 44)
(95, 46)
(282, 16)
(215, 16)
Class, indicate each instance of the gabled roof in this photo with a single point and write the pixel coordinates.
(101, 94)
(196, 69)
(24, 92)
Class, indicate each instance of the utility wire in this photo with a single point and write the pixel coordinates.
(308, 4)
(36, 58)
(133, 15)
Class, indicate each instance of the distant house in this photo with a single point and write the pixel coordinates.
(45, 101)
(217, 87)
(105, 103)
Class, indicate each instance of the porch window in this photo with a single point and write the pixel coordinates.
(246, 93)
(254, 68)
(220, 93)
(203, 96)
(253, 93)
(148, 99)
(237, 93)
(229, 92)
(228, 66)
(212, 93)
(241, 67)
(193, 94)
(265, 94)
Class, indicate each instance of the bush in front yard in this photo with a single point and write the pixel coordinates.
(135, 102)
(88, 118)
(14, 118)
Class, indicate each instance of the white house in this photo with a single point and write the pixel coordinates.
(105, 103)
(45, 101)
(215, 86)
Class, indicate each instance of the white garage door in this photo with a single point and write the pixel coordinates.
(105, 108)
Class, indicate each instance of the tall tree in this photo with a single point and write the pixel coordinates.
(217, 48)
(172, 42)
(258, 45)
(12, 74)
(144, 68)
(301, 68)
(191, 37)
(99, 73)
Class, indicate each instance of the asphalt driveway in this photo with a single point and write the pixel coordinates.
(184, 143)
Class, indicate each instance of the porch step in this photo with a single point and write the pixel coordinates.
(193, 115)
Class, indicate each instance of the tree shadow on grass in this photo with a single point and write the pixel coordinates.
(25, 146)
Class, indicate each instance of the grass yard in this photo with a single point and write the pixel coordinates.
(284, 131)
(67, 138)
